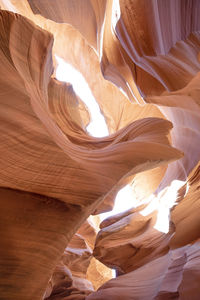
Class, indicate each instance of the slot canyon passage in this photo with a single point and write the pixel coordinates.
(141, 61)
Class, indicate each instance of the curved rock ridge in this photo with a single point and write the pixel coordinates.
(49, 153)
(151, 56)
(128, 245)
(155, 53)
(53, 126)
(141, 60)
(182, 109)
(131, 241)
(173, 276)
(74, 49)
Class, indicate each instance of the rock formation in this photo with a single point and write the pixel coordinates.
(141, 60)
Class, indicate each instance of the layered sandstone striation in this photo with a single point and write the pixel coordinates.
(141, 60)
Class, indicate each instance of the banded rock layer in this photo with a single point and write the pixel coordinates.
(141, 61)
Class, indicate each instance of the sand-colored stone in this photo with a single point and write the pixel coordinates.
(141, 60)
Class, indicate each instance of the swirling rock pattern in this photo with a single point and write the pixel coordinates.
(172, 276)
(141, 61)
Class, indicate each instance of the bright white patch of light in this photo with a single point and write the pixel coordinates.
(123, 202)
(116, 13)
(9, 6)
(113, 273)
(65, 72)
(165, 200)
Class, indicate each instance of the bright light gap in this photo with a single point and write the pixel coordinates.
(65, 72)
(98, 128)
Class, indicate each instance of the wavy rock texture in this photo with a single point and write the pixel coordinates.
(173, 276)
(78, 273)
(134, 235)
(141, 61)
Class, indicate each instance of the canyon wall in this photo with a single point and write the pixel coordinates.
(141, 60)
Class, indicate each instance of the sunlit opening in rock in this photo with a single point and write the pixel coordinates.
(65, 72)
(165, 200)
(123, 202)
(98, 128)
(116, 13)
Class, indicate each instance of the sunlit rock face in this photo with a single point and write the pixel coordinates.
(141, 61)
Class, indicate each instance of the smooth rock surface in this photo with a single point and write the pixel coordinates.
(141, 60)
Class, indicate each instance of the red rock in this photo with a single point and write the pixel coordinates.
(141, 62)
